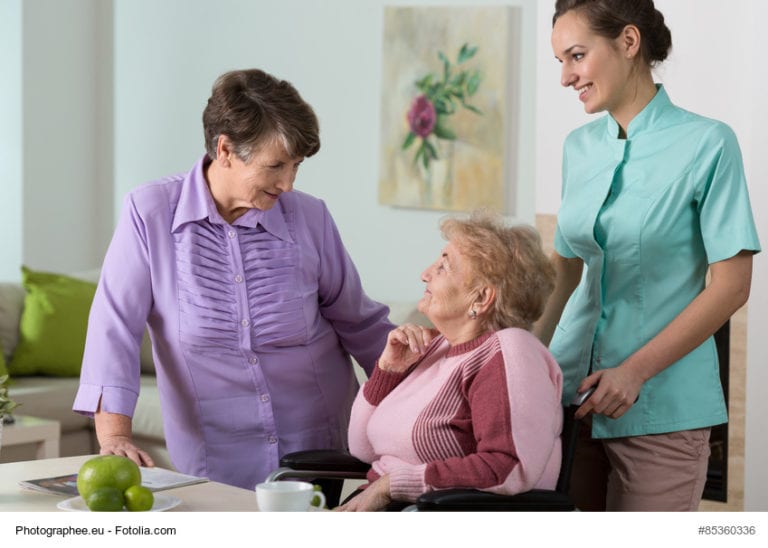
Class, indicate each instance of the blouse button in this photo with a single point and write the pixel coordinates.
(253, 361)
(239, 279)
(245, 323)
(231, 234)
(264, 398)
(272, 439)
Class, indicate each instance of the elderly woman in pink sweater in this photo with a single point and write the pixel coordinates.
(474, 402)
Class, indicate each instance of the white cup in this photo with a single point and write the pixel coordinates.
(286, 496)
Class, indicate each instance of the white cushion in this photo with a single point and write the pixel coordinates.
(48, 398)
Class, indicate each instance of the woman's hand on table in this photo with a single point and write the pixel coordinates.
(124, 447)
(113, 431)
(373, 498)
(405, 345)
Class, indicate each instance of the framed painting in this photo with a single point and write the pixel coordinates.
(447, 107)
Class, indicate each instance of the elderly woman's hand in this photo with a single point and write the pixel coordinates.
(373, 498)
(405, 345)
(124, 447)
(113, 431)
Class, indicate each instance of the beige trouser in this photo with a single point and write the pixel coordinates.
(657, 473)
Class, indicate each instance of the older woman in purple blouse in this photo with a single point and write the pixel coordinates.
(252, 303)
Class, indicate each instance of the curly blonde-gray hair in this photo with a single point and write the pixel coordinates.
(508, 258)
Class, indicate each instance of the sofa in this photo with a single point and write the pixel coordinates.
(48, 391)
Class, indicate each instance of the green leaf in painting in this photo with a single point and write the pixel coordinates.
(408, 140)
(458, 93)
(424, 83)
(443, 107)
(458, 80)
(446, 67)
(419, 153)
(429, 150)
(466, 53)
(425, 158)
(473, 83)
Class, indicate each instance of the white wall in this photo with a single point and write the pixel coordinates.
(10, 139)
(61, 187)
(756, 449)
(57, 137)
(331, 51)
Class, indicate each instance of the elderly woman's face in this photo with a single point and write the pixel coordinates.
(446, 298)
(258, 183)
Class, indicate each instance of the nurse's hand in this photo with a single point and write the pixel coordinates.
(617, 391)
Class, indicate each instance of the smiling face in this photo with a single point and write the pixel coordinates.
(237, 185)
(593, 65)
(447, 299)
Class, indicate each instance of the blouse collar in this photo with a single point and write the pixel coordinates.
(646, 118)
(196, 204)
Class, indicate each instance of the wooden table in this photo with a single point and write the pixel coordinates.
(43, 433)
(210, 496)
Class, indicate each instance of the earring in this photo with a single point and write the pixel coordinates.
(473, 314)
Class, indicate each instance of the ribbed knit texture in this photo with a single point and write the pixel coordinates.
(484, 414)
(380, 384)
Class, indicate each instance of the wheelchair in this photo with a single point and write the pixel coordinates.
(323, 465)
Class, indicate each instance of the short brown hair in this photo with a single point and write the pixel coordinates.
(509, 258)
(251, 107)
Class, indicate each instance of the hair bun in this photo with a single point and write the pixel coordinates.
(659, 38)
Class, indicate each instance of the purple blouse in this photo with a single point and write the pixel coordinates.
(251, 324)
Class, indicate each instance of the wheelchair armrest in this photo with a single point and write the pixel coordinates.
(324, 459)
(471, 500)
(320, 464)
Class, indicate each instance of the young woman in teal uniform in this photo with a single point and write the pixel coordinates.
(653, 198)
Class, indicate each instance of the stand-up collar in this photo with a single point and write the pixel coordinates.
(646, 118)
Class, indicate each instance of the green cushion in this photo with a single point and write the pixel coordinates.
(53, 325)
(3, 368)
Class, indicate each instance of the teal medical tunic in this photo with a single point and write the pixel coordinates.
(648, 214)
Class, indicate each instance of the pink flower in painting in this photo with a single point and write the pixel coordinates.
(422, 116)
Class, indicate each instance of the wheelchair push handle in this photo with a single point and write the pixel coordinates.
(581, 397)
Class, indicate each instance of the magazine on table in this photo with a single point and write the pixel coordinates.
(154, 479)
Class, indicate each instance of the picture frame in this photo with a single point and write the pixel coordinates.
(448, 107)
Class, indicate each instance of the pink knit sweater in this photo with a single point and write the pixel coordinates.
(484, 414)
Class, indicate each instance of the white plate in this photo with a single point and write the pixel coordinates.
(162, 503)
